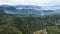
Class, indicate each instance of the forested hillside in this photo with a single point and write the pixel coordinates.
(29, 24)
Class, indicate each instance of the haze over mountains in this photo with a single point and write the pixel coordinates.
(30, 9)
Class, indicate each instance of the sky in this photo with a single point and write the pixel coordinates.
(31, 2)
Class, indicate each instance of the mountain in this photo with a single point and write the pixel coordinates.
(27, 7)
(24, 9)
(5, 5)
(50, 7)
(8, 7)
(30, 11)
(1, 11)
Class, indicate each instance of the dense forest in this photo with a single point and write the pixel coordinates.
(28, 24)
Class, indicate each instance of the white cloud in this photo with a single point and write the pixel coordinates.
(30, 2)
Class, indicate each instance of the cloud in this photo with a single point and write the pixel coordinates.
(30, 2)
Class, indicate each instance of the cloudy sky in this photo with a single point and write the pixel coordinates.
(31, 2)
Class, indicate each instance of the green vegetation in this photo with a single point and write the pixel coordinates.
(27, 24)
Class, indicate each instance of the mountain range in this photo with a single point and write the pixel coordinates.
(25, 9)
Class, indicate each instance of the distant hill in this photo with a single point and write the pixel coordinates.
(27, 7)
(24, 9)
(8, 7)
(5, 5)
(1, 11)
(22, 6)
